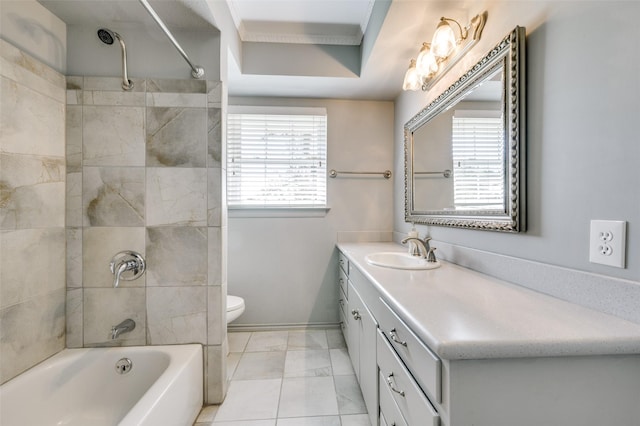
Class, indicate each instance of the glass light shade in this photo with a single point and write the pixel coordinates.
(444, 40)
(412, 79)
(426, 63)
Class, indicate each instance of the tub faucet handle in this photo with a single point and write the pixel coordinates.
(125, 261)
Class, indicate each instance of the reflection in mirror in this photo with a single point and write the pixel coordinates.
(459, 155)
(464, 151)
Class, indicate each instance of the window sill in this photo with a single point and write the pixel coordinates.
(266, 212)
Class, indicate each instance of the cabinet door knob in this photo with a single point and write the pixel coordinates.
(394, 337)
(356, 314)
(390, 383)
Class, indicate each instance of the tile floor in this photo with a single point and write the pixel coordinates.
(288, 378)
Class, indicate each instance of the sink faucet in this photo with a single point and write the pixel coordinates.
(124, 327)
(422, 248)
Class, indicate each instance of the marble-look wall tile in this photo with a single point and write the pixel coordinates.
(176, 86)
(216, 384)
(99, 245)
(75, 82)
(214, 93)
(106, 307)
(32, 263)
(177, 256)
(176, 137)
(113, 136)
(176, 315)
(31, 332)
(100, 97)
(74, 318)
(217, 318)
(32, 190)
(31, 123)
(74, 257)
(28, 71)
(214, 137)
(215, 202)
(176, 196)
(113, 196)
(74, 138)
(74, 199)
(193, 100)
(216, 250)
(113, 84)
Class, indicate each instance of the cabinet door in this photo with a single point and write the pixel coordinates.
(363, 328)
(354, 314)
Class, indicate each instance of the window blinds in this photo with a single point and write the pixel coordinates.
(478, 160)
(276, 157)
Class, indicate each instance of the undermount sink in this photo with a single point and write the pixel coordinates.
(399, 260)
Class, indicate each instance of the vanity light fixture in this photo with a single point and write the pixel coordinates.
(435, 58)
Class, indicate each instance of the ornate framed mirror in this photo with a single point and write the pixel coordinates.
(465, 151)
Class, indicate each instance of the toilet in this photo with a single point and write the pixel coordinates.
(235, 307)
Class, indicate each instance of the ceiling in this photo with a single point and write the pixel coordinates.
(350, 49)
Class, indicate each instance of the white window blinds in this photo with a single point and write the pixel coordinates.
(478, 160)
(276, 157)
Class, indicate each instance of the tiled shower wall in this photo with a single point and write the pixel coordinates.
(32, 242)
(144, 173)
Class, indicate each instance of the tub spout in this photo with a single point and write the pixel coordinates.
(124, 327)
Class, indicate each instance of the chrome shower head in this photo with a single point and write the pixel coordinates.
(108, 37)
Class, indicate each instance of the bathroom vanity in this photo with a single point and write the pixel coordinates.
(454, 347)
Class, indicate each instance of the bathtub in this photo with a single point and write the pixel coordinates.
(82, 387)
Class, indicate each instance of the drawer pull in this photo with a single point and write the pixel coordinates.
(341, 281)
(394, 337)
(390, 383)
(356, 314)
(341, 302)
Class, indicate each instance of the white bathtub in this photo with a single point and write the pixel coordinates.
(81, 387)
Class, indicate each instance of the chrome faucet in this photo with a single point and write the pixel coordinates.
(422, 248)
(126, 261)
(124, 327)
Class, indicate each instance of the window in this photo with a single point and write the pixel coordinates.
(478, 160)
(276, 157)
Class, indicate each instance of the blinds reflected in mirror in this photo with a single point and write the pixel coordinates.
(478, 160)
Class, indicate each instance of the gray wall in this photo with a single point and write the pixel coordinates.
(285, 267)
(582, 110)
(32, 181)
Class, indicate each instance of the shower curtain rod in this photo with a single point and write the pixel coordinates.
(196, 70)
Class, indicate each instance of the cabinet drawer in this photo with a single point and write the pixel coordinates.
(343, 283)
(405, 392)
(389, 411)
(343, 262)
(421, 361)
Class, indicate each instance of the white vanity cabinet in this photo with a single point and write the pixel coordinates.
(452, 347)
(359, 328)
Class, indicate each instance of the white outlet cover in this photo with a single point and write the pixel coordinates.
(607, 242)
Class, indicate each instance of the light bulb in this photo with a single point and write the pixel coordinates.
(412, 80)
(426, 63)
(444, 40)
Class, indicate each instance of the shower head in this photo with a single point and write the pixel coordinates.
(108, 37)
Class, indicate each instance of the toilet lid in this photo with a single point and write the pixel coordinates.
(234, 302)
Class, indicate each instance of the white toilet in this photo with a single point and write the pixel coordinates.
(235, 307)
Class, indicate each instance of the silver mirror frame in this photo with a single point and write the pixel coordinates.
(509, 55)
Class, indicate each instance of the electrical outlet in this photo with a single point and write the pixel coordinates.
(607, 241)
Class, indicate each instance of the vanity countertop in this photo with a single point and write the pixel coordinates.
(463, 314)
